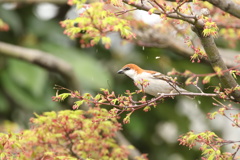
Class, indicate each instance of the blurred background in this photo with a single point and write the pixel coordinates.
(26, 88)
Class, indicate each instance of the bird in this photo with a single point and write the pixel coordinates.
(151, 82)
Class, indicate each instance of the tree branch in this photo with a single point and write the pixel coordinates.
(216, 61)
(208, 44)
(228, 6)
(42, 59)
(152, 37)
(174, 15)
(52, 63)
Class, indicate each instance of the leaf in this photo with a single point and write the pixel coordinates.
(118, 3)
(147, 108)
(152, 10)
(210, 28)
(212, 155)
(212, 115)
(187, 73)
(206, 79)
(97, 97)
(233, 73)
(76, 2)
(127, 118)
(1, 146)
(115, 101)
(79, 103)
(63, 96)
(106, 41)
(97, 22)
(3, 155)
(87, 96)
(221, 110)
(189, 80)
(218, 70)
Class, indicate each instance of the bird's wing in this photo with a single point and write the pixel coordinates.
(168, 79)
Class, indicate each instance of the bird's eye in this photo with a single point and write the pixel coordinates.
(127, 68)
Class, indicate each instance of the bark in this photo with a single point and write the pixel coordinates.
(216, 60)
(228, 6)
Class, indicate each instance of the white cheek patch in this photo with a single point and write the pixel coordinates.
(130, 73)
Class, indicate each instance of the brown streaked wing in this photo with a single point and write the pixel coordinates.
(165, 78)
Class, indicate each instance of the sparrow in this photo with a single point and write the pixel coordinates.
(151, 82)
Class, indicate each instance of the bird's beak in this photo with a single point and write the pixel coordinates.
(120, 72)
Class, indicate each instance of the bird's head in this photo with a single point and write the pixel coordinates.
(131, 70)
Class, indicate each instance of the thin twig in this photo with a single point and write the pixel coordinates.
(234, 154)
(160, 6)
(180, 5)
(123, 12)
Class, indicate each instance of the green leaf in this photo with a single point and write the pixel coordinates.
(127, 118)
(233, 73)
(152, 10)
(64, 96)
(212, 156)
(106, 41)
(114, 101)
(87, 96)
(79, 103)
(206, 79)
(3, 155)
(1, 146)
(97, 97)
(97, 21)
(147, 108)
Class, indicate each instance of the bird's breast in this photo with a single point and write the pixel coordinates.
(153, 87)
